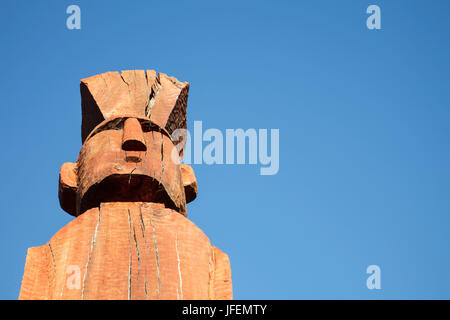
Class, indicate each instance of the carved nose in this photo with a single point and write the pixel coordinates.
(133, 137)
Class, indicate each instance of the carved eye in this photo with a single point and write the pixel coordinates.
(115, 124)
(148, 126)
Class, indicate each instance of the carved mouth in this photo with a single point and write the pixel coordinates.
(126, 188)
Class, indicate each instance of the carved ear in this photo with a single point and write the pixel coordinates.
(189, 182)
(67, 191)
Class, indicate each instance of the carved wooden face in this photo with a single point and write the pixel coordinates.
(124, 160)
(129, 159)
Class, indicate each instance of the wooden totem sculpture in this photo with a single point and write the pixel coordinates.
(130, 238)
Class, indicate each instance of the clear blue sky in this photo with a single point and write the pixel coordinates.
(364, 125)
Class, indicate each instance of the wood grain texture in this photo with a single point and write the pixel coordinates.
(128, 250)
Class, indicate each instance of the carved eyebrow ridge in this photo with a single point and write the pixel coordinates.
(117, 124)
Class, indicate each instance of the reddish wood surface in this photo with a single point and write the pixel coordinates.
(131, 238)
